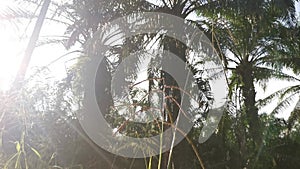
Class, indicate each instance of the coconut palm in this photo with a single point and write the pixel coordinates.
(248, 34)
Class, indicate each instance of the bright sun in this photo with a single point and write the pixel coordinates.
(8, 61)
(12, 47)
(9, 50)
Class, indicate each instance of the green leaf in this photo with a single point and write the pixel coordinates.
(36, 152)
(18, 146)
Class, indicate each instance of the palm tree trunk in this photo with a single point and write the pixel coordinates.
(179, 49)
(249, 110)
(31, 45)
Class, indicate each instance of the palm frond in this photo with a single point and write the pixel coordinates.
(278, 94)
(12, 13)
(264, 73)
(49, 42)
(285, 103)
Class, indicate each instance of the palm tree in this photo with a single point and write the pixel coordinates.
(289, 58)
(247, 34)
(91, 16)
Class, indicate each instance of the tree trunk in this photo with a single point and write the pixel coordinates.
(179, 50)
(249, 110)
(31, 45)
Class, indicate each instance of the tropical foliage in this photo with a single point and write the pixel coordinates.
(255, 40)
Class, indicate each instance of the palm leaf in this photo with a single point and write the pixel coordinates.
(11, 13)
(278, 94)
(264, 73)
(283, 105)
